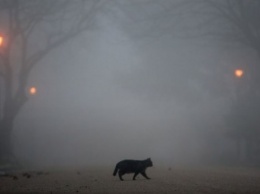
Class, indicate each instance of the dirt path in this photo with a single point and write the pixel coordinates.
(100, 180)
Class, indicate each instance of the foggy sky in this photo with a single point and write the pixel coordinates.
(107, 96)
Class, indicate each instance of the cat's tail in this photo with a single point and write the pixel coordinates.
(115, 171)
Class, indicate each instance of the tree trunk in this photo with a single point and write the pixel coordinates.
(6, 149)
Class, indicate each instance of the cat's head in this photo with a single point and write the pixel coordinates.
(149, 162)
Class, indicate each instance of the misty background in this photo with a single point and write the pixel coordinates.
(113, 94)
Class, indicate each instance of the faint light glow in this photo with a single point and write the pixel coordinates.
(1, 40)
(239, 73)
(33, 90)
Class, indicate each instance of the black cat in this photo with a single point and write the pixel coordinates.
(132, 166)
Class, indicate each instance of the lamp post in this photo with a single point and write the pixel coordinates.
(239, 93)
(239, 74)
(1, 44)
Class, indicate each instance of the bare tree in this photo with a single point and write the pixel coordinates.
(30, 30)
(229, 21)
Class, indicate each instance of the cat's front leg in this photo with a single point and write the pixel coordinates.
(135, 175)
(144, 175)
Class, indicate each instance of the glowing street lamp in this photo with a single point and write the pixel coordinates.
(32, 90)
(239, 73)
(1, 41)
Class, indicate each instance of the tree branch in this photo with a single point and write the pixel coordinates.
(83, 24)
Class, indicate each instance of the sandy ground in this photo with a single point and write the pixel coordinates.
(164, 180)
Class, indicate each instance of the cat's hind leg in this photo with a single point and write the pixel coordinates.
(120, 174)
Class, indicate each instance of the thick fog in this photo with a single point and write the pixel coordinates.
(107, 96)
